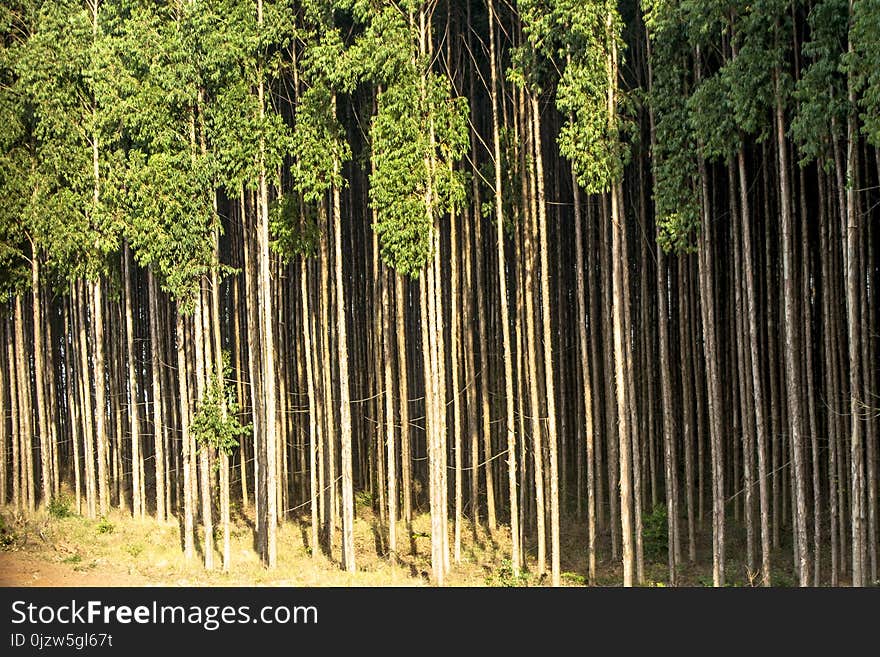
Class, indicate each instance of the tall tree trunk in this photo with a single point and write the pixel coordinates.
(39, 381)
(792, 354)
(85, 391)
(403, 395)
(4, 452)
(103, 447)
(308, 352)
(348, 557)
(535, 413)
(853, 332)
(157, 387)
(391, 447)
(687, 397)
(669, 451)
(552, 443)
(455, 349)
(138, 502)
(186, 440)
(622, 391)
(502, 296)
(585, 381)
(757, 379)
(712, 358)
(16, 416)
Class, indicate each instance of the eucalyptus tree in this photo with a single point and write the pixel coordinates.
(676, 207)
(588, 40)
(69, 225)
(863, 80)
(320, 151)
(593, 139)
(417, 134)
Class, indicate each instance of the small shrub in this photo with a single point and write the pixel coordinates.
(72, 559)
(506, 577)
(59, 507)
(134, 549)
(575, 578)
(7, 536)
(105, 526)
(655, 534)
(781, 580)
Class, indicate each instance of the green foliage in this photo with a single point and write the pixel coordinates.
(505, 576)
(595, 136)
(60, 507)
(294, 227)
(716, 109)
(782, 579)
(134, 549)
(575, 578)
(7, 536)
(865, 65)
(215, 423)
(52, 76)
(655, 534)
(237, 55)
(674, 159)
(820, 93)
(364, 499)
(104, 526)
(420, 129)
(319, 145)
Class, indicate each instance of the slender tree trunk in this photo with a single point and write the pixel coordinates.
(808, 302)
(585, 381)
(853, 334)
(4, 454)
(623, 429)
(391, 447)
(39, 382)
(687, 396)
(100, 398)
(470, 376)
(669, 455)
(157, 387)
(16, 417)
(314, 492)
(183, 396)
(707, 305)
(455, 348)
(403, 395)
(502, 296)
(201, 342)
(348, 557)
(531, 233)
(792, 354)
(138, 503)
(548, 349)
(755, 357)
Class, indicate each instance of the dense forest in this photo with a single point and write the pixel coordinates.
(519, 266)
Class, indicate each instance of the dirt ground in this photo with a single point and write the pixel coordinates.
(22, 568)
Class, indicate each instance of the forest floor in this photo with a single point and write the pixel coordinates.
(71, 550)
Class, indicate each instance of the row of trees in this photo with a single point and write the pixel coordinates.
(533, 267)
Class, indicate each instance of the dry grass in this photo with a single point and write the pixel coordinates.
(123, 551)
